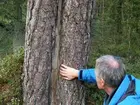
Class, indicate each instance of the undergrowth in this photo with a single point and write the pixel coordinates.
(10, 78)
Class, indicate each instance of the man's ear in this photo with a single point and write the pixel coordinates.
(102, 82)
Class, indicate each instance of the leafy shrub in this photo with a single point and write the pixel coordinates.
(14, 101)
(10, 74)
(94, 96)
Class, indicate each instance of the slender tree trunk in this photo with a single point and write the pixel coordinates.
(18, 38)
(119, 25)
(56, 32)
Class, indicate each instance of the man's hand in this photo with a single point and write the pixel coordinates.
(68, 73)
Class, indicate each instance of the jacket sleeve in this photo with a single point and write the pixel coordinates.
(87, 75)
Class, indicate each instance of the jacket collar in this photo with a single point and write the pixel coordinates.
(120, 91)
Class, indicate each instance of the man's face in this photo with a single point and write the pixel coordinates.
(99, 80)
(100, 83)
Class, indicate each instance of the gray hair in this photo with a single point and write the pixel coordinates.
(111, 69)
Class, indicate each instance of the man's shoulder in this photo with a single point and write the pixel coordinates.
(137, 85)
(131, 100)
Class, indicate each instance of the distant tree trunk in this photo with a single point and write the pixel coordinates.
(118, 22)
(56, 32)
(18, 37)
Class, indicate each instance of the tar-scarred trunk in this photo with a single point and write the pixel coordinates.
(56, 32)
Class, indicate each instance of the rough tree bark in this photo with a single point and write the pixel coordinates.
(74, 38)
(40, 27)
(56, 32)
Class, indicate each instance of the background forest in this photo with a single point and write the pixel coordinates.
(115, 29)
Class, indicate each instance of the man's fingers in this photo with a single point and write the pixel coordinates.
(66, 78)
(63, 73)
(63, 69)
(64, 66)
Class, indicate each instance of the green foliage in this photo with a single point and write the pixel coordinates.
(116, 31)
(94, 95)
(10, 74)
(14, 101)
(8, 27)
(5, 43)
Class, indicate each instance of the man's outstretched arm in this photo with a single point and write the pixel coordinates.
(68, 73)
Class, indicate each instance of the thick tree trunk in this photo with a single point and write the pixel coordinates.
(74, 38)
(41, 16)
(57, 32)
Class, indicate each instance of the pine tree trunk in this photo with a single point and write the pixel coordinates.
(56, 32)
(74, 38)
(40, 27)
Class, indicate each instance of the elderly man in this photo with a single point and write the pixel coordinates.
(110, 75)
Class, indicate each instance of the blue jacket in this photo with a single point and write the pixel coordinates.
(128, 92)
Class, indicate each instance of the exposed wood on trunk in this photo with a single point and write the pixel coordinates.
(74, 48)
(56, 32)
(55, 56)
